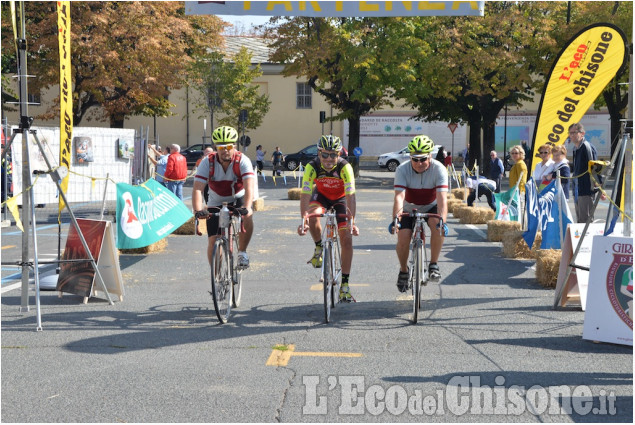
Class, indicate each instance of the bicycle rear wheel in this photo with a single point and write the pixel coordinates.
(221, 280)
(327, 279)
(416, 280)
(237, 274)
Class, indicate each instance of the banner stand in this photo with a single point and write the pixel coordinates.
(606, 172)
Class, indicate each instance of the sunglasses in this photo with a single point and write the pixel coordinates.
(543, 153)
(225, 147)
(325, 155)
(422, 159)
(515, 153)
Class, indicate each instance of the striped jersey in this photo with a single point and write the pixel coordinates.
(421, 188)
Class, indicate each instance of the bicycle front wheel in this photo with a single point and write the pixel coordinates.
(237, 274)
(327, 279)
(336, 260)
(416, 280)
(221, 280)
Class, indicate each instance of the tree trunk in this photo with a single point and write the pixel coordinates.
(475, 142)
(489, 144)
(353, 141)
(117, 121)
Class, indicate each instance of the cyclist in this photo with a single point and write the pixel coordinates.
(230, 178)
(334, 187)
(421, 184)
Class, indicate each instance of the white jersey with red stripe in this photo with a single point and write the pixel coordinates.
(421, 188)
(222, 186)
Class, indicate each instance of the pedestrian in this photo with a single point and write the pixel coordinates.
(176, 171)
(160, 161)
(496, 170)
(479, 187)
(440, 155)
(524, 144)
(561, 164)
(276, 160)
(544, 167)
(466, 155)
(260, 159)
(448, 159)
(584, 192)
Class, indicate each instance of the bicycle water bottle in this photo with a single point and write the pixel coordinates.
(223, 219)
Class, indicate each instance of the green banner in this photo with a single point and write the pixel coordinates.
(147, 213)
(507, 205)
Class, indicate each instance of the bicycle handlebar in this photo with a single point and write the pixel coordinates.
(414, 213)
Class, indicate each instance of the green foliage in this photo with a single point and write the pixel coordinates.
(231, 81)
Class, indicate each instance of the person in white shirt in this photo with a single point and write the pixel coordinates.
(543, 168)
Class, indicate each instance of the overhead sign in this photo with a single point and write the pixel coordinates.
(336, 8)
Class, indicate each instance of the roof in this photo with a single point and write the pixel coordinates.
(256, 45)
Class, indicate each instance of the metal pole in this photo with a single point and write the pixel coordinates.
(103, 201)
(505, 142)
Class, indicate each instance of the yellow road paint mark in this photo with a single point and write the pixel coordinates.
(405, 297)
(319, 286)
(281, 357)
(8, 246)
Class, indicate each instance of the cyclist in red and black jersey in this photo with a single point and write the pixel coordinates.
(329, 182)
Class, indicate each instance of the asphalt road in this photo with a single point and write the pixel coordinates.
(489, 347)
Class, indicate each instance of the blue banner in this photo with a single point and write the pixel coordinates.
(147, 213)
(533, 212)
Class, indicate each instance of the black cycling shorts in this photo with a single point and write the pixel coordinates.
(212, 221)
(408, 222)
(339, 205)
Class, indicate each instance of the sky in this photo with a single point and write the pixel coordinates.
(246, 20)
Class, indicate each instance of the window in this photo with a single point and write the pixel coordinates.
(303, 96)
(34, 98)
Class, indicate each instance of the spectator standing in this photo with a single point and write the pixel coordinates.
(448, 159)
(260, 159)
(544, 167)
(276, 160)
(561, 163)
(176, 171)
(441, 155)
(160, 161)
(496, 170)
(518, 158)
(466, 155)
(583, 190)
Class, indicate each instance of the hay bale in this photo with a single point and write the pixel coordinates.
(294, 193)
(514, 246)
(158, 246)
(259, 204)
(453, 203)
(547, 266)
(476, 215)
(187, 228)
(497, 228)
(460, 210)
(460, 193)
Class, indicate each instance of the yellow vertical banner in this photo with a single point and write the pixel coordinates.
(66, 90)
(580, 73)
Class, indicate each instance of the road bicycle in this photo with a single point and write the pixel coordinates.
(226, 274)
(331, 273)
(418, 261)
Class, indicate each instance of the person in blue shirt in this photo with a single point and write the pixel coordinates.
(496, 170)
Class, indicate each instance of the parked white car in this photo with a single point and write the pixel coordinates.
(392, 160)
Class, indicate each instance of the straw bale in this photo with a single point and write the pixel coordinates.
(460, 210)
(158, 246)
(259, 204)
(294, 193)
(453, 203)
(476, 215)
(547, 266)
(514, 246)
(460, 193)
(497, 228)
(187, 228)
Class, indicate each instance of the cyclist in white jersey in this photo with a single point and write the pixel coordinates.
(421, 184)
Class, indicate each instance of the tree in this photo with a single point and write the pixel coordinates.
(225, 85)
(473, 67)
(346, 60)
(126, 56)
